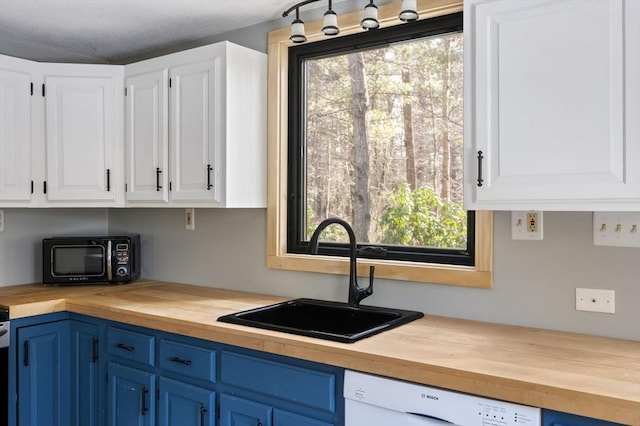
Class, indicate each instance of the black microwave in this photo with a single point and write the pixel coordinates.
(70, 260)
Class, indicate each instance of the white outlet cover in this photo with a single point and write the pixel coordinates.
(595, 300)
(519, 226)
(616, 229)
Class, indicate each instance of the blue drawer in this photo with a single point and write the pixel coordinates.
(188, 360)
(131, 346)
(312, 388)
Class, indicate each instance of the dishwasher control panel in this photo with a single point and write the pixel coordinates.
(387, 402)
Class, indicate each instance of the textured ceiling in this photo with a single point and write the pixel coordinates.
(110, 30)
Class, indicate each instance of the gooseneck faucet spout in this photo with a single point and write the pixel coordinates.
(356, 293)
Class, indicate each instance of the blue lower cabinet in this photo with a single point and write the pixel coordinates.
(43, 374)
(130, 396)
(285, 418)
(556, 418)
(242, 412)
(84, 374)
(181, 404)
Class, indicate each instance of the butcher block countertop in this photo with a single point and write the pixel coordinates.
(586, 375)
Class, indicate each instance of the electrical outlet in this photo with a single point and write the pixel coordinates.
(189, 219)
(593, 300)
(1, 220)
(618, 229)
(526, 225)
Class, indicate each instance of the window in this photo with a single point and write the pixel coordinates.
(408, 177)
(375, 137)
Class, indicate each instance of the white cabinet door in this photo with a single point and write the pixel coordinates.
(15, 135)
(195, 109)
(83, 138)
(147, 136)
(552, 104)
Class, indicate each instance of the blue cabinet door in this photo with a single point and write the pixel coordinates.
(130, 396)
(242, 412)
(285, 418)
(556, 418)
(43, 374)
(84, 373)
(185, 405)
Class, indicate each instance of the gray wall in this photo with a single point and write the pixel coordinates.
(20, 243)
(534, 281)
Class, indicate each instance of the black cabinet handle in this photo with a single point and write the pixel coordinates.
(25, 360)
(94, 350)
(158, 171)
(209, 168)
(108, 180)
(480, 158)
(143, 394)
(124, 347)
(180, 360)
(203, 411)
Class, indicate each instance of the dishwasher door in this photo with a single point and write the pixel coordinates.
(373, 400)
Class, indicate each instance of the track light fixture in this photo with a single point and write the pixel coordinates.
(330, 19)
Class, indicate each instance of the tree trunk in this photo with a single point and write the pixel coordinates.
(445, 190)
(360, 104)
(408, 133)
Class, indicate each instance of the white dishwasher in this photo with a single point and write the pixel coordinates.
(378, 401)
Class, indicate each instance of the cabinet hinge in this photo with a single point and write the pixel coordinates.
(31, 88)
(42, 89)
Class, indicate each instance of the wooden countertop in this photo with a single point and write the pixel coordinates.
(586, 375)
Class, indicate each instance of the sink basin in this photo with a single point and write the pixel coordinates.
(322, 319)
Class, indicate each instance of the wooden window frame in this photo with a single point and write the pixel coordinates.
(480, 275)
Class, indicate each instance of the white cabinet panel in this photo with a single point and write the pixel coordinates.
(147, 136)
(195, 116)
(15, 135)
(80, 138)
(549, 103)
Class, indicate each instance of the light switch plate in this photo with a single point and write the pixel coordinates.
(617, 229)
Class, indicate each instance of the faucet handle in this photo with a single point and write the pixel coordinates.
(371, 276)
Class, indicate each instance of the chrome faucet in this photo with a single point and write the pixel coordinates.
(356, 293)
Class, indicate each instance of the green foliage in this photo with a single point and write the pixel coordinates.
(421, 218)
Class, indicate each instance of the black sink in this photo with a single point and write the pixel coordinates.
(322, 319)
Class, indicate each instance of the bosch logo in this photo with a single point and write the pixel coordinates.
(432, 397)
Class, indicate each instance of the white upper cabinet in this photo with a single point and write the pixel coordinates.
(83, 133)
(147, 136)
(552, 105)
(216, 126)
(15, 131)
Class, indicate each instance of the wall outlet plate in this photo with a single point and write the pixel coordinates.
(617, 229)
(594, 300)
(190, 219)
(526, 225)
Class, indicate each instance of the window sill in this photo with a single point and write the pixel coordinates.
(464, 276)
